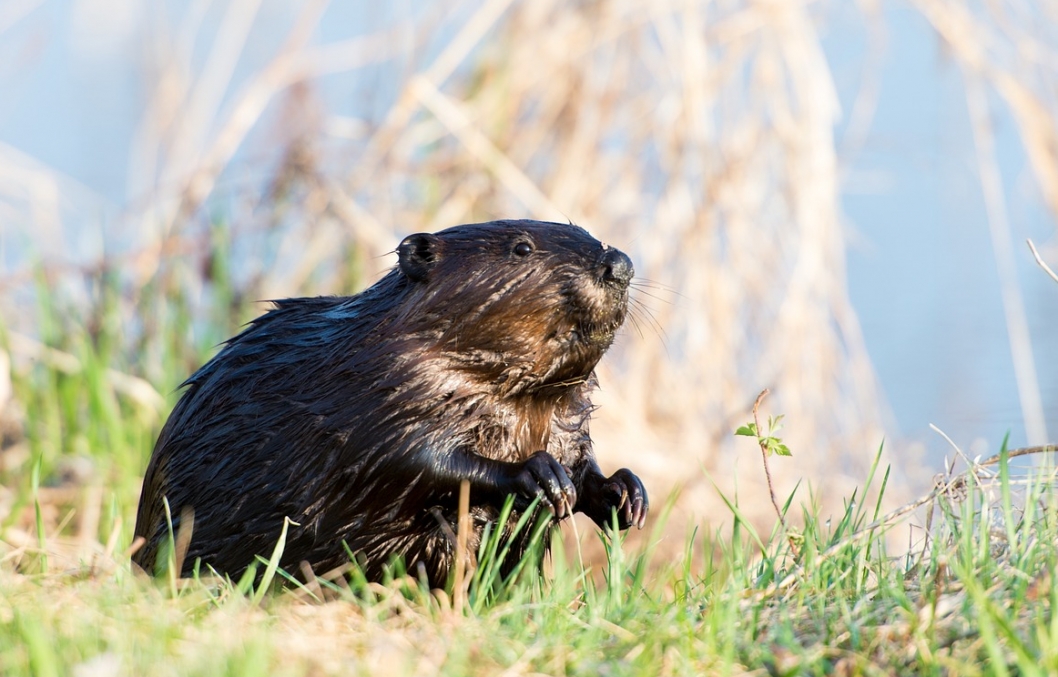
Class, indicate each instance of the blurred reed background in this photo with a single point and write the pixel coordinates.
(267, 149)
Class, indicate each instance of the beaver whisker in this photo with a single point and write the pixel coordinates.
(642, 283)
(637, 309)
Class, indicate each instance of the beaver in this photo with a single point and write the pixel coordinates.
(358, 417)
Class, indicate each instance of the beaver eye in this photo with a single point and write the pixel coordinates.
(523, 249)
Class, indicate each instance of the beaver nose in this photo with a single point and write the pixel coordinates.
(617, 267)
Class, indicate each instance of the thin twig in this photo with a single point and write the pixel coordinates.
(767, 470)
(1040, 261)
(959, 452)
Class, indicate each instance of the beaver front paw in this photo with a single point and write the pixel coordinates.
(622, 492)
(543, 477)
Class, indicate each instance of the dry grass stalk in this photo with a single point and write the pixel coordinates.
(459, 591)
(1040, 262)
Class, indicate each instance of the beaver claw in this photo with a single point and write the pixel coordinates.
(544, 477)
(622, 492)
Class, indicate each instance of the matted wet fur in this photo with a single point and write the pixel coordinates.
(357, 417)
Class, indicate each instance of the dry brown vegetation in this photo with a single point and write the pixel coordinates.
(697, 136)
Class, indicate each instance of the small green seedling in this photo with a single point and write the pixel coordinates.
(769, 442)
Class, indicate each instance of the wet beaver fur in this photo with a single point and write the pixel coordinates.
(357, 417)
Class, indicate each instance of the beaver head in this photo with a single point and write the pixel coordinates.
(524, 304)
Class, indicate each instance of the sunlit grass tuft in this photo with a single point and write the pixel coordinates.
(974, 595)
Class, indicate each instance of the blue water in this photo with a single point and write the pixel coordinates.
(922, 273)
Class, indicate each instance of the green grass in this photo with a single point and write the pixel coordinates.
(977, 600)
(974, 597)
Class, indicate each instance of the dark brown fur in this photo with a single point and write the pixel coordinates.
(358, 417)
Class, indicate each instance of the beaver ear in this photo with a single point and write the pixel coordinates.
(417, 254)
